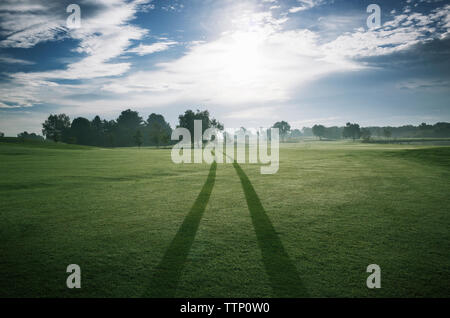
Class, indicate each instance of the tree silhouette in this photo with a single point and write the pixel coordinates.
(127, 124)
(319, 131)
(352, 131)
(159, 130)
(81, 132)
(56, 127)
(187, 121)
(283, 128)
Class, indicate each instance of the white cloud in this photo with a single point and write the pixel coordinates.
(12, 60)
(102, 37)
(21, 6)
(265, 64)
(296, 9)
(174, 6)
(255, 64)
(399, 34)
(423, 84)
(305, 5)
(25, 23)
(258, 65)
(152, 48)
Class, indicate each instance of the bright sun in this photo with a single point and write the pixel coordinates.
(244, 57)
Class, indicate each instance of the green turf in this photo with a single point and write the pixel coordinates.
(133, 220)
(166, 276)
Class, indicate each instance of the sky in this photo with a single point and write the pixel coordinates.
(249, 62)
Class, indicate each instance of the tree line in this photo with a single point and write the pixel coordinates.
(129, 129)
(354, 131)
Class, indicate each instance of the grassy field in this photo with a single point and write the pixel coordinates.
(141, 226)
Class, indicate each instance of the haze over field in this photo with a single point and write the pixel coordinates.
(249, 62)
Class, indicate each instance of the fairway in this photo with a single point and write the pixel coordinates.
(141, 226)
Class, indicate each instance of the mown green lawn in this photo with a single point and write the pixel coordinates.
(133, 221)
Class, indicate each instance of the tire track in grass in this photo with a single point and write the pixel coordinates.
(283, 275)
(167, 274)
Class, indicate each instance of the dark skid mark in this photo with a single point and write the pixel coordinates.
(167, 274)
(284, 278)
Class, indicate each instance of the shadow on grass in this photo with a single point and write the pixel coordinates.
(167, 274)
(284, 278)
